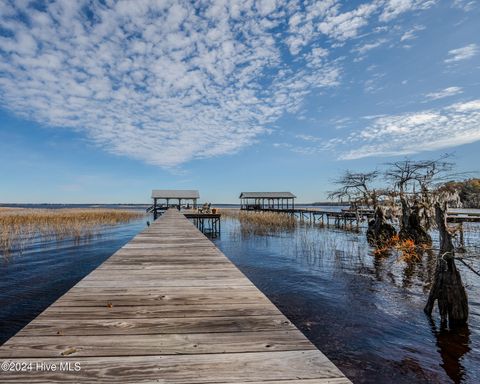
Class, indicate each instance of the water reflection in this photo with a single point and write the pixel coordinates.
(363, 309)
(378, 263)
(452, 345)
(32, 280)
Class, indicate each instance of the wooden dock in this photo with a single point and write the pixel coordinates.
(313, 215)
(465, 215)
(349, 218)
(207, 223)
(168, 307)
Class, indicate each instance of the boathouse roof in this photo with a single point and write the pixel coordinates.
(175, 194)
(267, 195)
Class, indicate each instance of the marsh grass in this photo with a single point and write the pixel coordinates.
(261, 223)
(20, 227)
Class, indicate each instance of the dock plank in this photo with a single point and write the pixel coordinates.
(165, 311)
(167, 307)
(155, 344)
(188, 369)
(132, 326)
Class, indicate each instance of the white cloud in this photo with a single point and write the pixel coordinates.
(462, 53)
(265, 7)
(169, 81)
(328, 19)
(343, 26)
(341, 122)
(309, 138)
(375, 83)
(363, 49)
(416, 132)
(465, 5)
(447, 92)
(394, 8)
(398, 135)
(160, 82)
(469, 106)
(411, 33)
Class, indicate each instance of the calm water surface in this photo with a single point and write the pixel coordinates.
(31, 281)
(363, 312)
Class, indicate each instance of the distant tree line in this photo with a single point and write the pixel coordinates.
(468, 191)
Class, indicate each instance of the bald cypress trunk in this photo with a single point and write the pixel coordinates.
(447, 287)
(405, 212)
(411, 224)
(379, 231)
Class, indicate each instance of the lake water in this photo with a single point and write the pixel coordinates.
(364, 312)
(31, 281)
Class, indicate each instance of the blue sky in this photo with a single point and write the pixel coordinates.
(102, 101)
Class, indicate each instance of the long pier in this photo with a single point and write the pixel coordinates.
(168, 307)
(340, 219)
(346, 217)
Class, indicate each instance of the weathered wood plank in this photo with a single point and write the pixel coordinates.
(159, 344)
(164, 311)
(171, 250)
(185, 245)
(168, 307)
(167, 266)
(156, 296)
(184, 282)
(179, 273)
(170, 261)
(166, 251)
(188, 369)
(153, 326)
(162, 290)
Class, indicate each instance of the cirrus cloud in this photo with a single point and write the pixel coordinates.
(447, 92)
(169, 81)
(394, 135)
(162, 82)
(463, 53)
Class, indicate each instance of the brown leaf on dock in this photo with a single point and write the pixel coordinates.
(69, 351)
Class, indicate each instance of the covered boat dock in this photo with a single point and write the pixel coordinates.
(259, 201)
(172, 198)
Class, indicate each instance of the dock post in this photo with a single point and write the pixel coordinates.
(462, 239)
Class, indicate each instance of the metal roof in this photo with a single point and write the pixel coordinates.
(267, 195)
(175, 194)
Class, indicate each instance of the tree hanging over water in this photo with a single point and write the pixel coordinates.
(416, 195)
(359, 190)
(415, 184)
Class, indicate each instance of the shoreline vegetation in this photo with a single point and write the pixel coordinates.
(409, 200)
(20, 227)
(417, 195)
(261, 223)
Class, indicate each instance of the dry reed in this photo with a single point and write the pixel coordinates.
(261, 223)
(20, 227)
